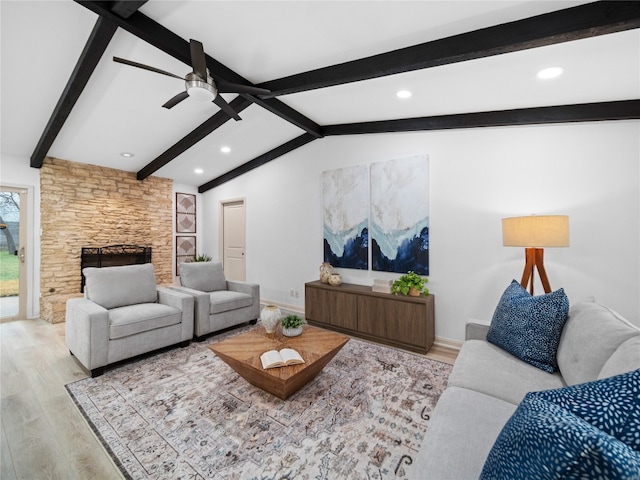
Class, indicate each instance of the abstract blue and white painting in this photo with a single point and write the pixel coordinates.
(400, 215)
(346, 217)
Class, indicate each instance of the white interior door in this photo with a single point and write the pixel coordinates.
(233, 240)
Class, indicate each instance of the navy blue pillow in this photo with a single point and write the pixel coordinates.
(543, 441)
(611, 405)
(530, 327)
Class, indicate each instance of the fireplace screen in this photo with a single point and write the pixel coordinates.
(112, 256)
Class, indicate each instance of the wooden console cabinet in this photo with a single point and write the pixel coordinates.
(399, 321)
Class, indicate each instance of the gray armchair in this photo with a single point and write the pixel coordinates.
(124, 314)
(219, 303)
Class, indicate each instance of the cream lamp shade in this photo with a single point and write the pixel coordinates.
(539, 231)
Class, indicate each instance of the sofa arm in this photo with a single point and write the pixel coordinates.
(183, 302)
(476, 330)
(201, 308)
(87, 332)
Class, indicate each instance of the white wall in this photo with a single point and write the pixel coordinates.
(589, 171)
(16, 172)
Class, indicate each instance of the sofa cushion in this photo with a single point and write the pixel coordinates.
(225, 300)
(203, 276)
(624, 359)
(530, 327)
(112, 287)
(611, 405)
(542, 440)
(488, 369)
(591, 335)
(133, 319)
(447, 451)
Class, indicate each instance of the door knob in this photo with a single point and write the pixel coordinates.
(21, 254)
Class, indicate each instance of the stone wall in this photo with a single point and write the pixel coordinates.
(88, 206)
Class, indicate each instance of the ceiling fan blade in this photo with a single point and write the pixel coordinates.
(176, 100)
(226, 108)
(145, 67)
(198, 60)
(227, 87)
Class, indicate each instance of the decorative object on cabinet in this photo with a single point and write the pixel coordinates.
(185, 250)
(335, 280)
(185, 213)
(325, 272)
(410, 284)
(535, 232)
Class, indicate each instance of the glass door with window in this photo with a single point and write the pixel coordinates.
(12, 253)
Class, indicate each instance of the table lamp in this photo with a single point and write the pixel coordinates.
(534, 233)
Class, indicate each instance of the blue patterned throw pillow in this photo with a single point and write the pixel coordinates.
(611, 405)
(543, 441)
(530, 327)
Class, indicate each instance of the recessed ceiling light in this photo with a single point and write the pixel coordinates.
(403, 94)
(225, 149)
(199, 171)
(551, 72)
(127, 154)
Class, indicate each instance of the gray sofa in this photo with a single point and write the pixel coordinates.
(487, 384)
(219, 303)
(124, 314)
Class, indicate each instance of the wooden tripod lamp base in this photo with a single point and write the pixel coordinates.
(534, 258)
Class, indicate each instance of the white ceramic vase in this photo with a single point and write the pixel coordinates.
(270, 316)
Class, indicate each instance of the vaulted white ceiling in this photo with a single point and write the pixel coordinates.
(120, 108)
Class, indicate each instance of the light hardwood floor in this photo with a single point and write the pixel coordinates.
(43, 435)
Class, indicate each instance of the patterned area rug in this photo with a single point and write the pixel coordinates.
(184, 414)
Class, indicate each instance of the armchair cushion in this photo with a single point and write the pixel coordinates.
(225, 300)
(132, 319)
(114, 287)
(203, 276)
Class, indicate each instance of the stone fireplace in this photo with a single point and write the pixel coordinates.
(85, 205)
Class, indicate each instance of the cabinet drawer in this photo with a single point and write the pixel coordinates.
(395, 320)
(334, 308)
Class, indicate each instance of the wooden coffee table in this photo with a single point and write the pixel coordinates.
(242, 353)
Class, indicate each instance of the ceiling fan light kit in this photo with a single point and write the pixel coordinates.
(201, 91)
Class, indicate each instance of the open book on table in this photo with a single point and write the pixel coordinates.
(282, 358)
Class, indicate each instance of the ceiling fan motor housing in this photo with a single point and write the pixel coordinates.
(199, 89)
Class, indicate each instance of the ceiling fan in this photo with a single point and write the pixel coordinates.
(199, 83)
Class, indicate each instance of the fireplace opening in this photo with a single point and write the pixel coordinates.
(113, 256)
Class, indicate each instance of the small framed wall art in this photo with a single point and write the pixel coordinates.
(185, 250)
(185, 213)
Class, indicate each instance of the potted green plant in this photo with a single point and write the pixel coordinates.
(292, 325)
(203, 257)
(410, 284)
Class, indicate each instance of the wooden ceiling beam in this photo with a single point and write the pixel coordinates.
(258, 161)
(126, 8)
(586, 112)
(574, 23)
(193, 137)
(97, 43)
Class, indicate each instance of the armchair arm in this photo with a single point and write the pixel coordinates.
(87, 332)
(201, 307)
(183, 302)
(476, 330)
(252, 289)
